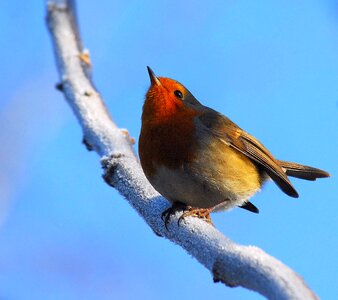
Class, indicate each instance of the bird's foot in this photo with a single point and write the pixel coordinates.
(201, 213)
(177, 206)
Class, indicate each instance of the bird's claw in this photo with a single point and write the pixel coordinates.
(201, 213)
(165, 216)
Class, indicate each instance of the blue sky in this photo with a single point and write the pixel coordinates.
(271, 66)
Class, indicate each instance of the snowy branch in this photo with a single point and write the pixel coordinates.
(230, 263)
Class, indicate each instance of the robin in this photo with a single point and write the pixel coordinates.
(196, 157)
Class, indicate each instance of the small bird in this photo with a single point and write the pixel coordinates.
(199, 159)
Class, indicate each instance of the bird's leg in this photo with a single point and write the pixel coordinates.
(201, 213)
(176, 206)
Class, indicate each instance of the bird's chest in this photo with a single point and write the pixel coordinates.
(169, 143)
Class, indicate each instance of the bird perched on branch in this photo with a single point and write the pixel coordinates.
(196, 157)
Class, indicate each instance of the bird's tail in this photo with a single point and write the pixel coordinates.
(301, 171)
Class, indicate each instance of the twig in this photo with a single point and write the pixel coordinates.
(230, 263)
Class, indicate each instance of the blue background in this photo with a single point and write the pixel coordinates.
(271, 66)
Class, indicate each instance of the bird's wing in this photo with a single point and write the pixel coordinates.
(246, 144)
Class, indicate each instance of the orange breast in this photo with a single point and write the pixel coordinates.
(167, 136)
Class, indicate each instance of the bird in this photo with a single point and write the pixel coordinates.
(200, 160)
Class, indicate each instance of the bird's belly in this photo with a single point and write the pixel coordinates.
(209, 181)
(200, 190)
(180, 185)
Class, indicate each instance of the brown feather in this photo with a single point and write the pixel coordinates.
(249, 146)
(250, 207)
(302, 171)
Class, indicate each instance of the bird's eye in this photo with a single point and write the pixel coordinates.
(178, 94)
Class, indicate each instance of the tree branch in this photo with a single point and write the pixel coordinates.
(230, 263)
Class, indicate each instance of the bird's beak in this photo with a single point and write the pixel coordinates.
(154, 80)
